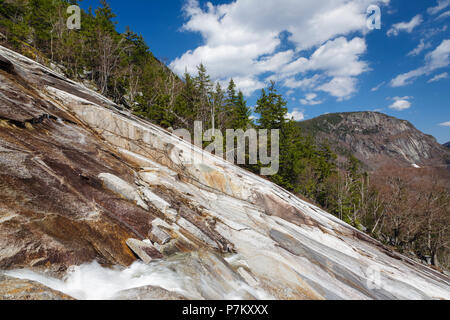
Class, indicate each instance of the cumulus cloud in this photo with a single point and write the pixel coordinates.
(295, 115)
(405, 26)
(340, 87)
(246, 84)
(242, 39)
(401, 103)
(445, 124)
(305, 83)
(310, 100)
(439, 77)
(437, 59)
(338, 60)
(441, 5)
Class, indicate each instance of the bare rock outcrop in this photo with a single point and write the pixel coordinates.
(378, 139)
(79, 177)
(17, 289)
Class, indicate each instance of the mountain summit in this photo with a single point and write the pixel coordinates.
(377, 139)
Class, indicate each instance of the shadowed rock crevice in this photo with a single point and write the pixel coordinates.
(6, 65)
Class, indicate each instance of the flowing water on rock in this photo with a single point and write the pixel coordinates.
(184, 275)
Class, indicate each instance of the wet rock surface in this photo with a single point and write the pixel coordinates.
(144, 250)
(17, 289)
(79, 178)
(148, 293)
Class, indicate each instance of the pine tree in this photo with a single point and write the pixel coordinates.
(186, 103)
(204, 85)
(231, 93)
(104, 17)
(241, 113)
(272, 108)
(218, 101)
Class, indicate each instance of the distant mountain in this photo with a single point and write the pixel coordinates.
(377, 139)
(447, 145)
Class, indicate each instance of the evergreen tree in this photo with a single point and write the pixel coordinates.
(186, 103)
(231, 94)
(228, 107)
(241, 113)
(204, 85)
(218, 103)
(104, 17)
(272, 108)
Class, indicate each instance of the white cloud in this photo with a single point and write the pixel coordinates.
(401, 103)
(421, 47)
(443, 15)
(340, 87)
(437, 59)
(310, 100)
(376, 88)
(441, 5)
(405, 26)
(296, 115)
(338, 60)
(247, 84)
(445, 124)
(242, 39)
(305, 83)
(439, 77)
(431, 32)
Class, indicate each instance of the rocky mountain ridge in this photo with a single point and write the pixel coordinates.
(377, 139)
(83, 181)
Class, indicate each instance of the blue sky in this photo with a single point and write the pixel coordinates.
(321, 53)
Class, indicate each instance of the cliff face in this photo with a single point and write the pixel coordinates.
(82, 181)
(377, 139)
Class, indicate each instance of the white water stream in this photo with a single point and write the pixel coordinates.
(94, 282)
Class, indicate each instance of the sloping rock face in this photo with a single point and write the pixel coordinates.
(79, 178)
(378, 139)
(148, 293)
(17, 289)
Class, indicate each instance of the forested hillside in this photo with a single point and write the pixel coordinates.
(377, 139)
(393, 206)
